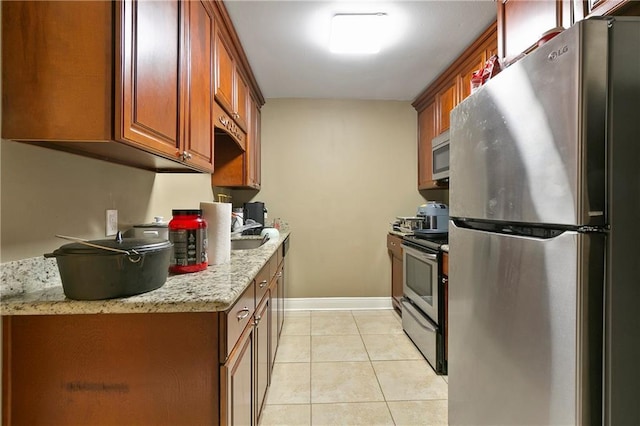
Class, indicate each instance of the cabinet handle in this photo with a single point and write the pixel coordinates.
(257, 320)
(263, 283)
(243, 313)
(279, 274)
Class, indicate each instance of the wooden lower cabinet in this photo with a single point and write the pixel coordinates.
(274, 314)
(154, 369)
(237, 404)
(280, 275)
(145, 368)
(262, 365)
(394, 245)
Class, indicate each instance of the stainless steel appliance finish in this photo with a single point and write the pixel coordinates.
(423, 317)
(440, 156)
(543, 324)
(420, 271)
(421, 330)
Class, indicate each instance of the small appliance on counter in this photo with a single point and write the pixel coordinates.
(431, 218)
(257, 212)
(435, 216)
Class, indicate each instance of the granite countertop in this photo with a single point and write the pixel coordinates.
(33, 287)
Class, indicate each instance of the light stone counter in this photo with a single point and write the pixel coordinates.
(33, 287)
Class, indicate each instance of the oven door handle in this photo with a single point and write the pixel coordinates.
(418, 253)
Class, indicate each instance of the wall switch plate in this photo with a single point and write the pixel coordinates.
(112, 222)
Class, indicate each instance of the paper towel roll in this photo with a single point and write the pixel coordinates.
(218, 217)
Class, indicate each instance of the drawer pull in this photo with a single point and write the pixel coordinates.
(243, 313)
(263, 283)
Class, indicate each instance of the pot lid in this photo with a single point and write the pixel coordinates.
(132, 245)
(157, 223)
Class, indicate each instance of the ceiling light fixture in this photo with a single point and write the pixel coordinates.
(357, 33)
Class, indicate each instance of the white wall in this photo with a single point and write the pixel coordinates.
(339, 171)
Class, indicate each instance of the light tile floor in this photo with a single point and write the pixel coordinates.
(351, 368)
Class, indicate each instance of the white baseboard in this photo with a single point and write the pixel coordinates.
(337, 303)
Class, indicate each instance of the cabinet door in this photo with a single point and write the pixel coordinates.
(253, 145)
(521, 23)
(198, 116)
(114, 369)
(262, 336)
(281, 296)
(394, 245)
(236, 385)
(426, 132)
(147, 89)
(445, 101)
(467, 72)
(225, 72)
(241, 100)
(274, 314)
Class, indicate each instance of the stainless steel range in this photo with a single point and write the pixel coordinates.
(423, 310)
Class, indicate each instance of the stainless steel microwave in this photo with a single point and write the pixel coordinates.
(440, 156)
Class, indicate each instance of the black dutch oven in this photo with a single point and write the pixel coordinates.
(105, 269)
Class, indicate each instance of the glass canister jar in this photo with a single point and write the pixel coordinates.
(188, 233)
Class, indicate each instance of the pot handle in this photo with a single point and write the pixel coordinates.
(49, 255)
(87, 243)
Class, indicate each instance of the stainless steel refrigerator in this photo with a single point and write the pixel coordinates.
(544, 281)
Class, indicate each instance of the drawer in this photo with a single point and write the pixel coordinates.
(234, 320)
(445, 264)
(394, 244)
(262, 281)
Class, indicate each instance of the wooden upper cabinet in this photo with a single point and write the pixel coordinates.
(198, 116)
(446, 99)
(224, 72)
(521, 23)
(254, 147)
(476, 63)
(53, 89)
(235, 167)
(426, 132)
(241, 100)
(435, 103)
(148, 99)
(232, 89)
(119, 81)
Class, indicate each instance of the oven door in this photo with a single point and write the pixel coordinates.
(420, 282)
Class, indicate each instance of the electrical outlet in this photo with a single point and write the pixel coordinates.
(112, 222)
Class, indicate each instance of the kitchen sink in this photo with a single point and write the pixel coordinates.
(247, 243)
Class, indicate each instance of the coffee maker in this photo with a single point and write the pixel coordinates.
(255, 211)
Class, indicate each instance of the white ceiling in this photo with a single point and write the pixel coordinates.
(286, 43)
